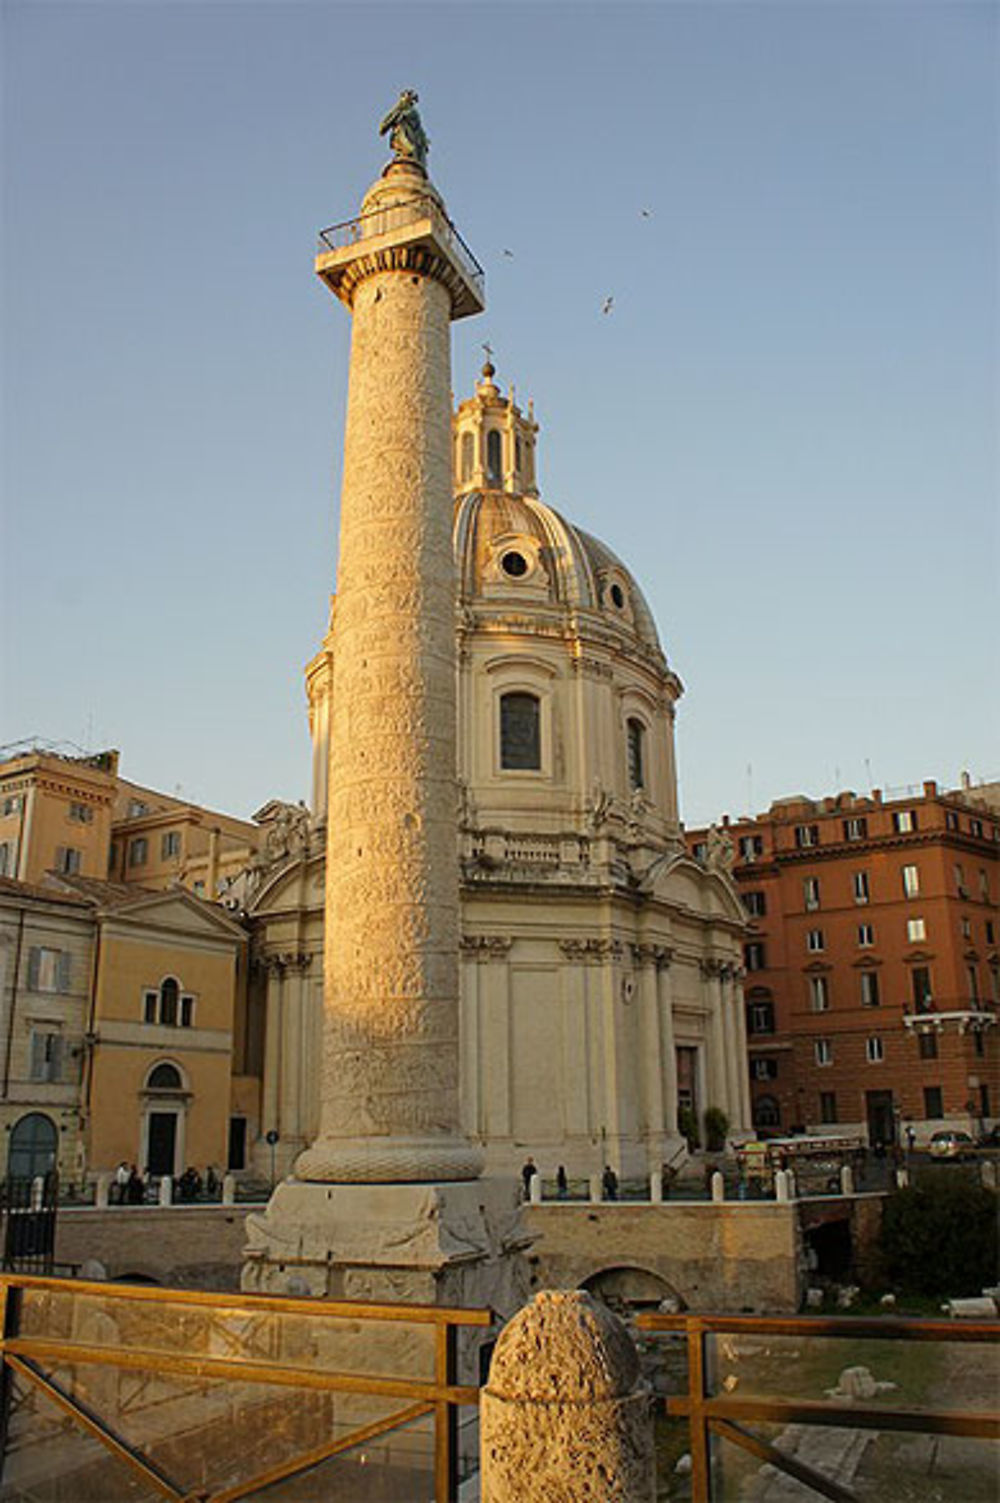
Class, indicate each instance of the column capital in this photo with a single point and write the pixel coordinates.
(592, 951)
(483, 947)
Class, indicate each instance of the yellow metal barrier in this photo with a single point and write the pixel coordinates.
(713, 1405)
(113, 1390)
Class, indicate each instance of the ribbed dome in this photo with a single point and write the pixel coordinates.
(580, 572)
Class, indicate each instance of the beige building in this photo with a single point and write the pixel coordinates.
(122, 1038)
(56, 812)
(47, 946)
(600, 963)
(75, 815)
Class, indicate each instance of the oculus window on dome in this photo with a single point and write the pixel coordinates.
(520, 733)
(514, 564)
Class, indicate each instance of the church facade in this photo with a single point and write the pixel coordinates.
(600, 988)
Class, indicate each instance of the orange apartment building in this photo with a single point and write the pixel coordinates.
(872, 976)
(77, 816)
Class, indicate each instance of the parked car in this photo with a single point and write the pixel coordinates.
(991, 1139)
(950, 1144)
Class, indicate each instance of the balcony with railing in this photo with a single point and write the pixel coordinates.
(409, 213)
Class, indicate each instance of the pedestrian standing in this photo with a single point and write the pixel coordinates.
(528, 1172)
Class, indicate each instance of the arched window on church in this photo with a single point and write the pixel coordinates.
(468, 455)
(494, 457)
(520, 733)
(169, 993)
(635, 735)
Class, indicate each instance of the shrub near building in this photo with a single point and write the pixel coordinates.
(941, 1238)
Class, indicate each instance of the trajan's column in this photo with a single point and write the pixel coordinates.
(390, 1065)
(389, 1085)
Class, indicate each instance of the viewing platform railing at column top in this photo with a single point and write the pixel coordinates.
(405, 211)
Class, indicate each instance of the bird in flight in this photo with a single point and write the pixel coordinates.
(647, 213)
(609, 303)
(509, 253)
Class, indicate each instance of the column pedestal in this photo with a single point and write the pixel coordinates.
(455, 1243)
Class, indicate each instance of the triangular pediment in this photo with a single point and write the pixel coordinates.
(176, 911)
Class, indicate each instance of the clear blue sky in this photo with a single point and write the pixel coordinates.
(786, 426)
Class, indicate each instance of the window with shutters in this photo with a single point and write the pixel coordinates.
(6, 859)
(138, 851)
(760, 1017)
(819, 994)
(750, 847)
(46, 1056)
(916, 930)
(823, 1051)
(856, 828)
(828, 1106)
(170, 844)
(81, 814)
(874, 1051)
(806, 835)
(927, 1045)
(866, 935)
(869, 989)
(815, 940)
(67, 860)
(861, 889)
(911, 881)
(810, 893)
(920, 983)
(933, 1101)
(755, 956)
(755, 904)
(904, 821)
(48, 970)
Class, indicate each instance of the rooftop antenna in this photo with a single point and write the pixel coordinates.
(749, 787)
(868, 770)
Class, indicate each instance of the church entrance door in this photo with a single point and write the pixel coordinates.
(162, 1142)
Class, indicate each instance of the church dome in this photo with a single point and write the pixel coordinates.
(517, 547)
